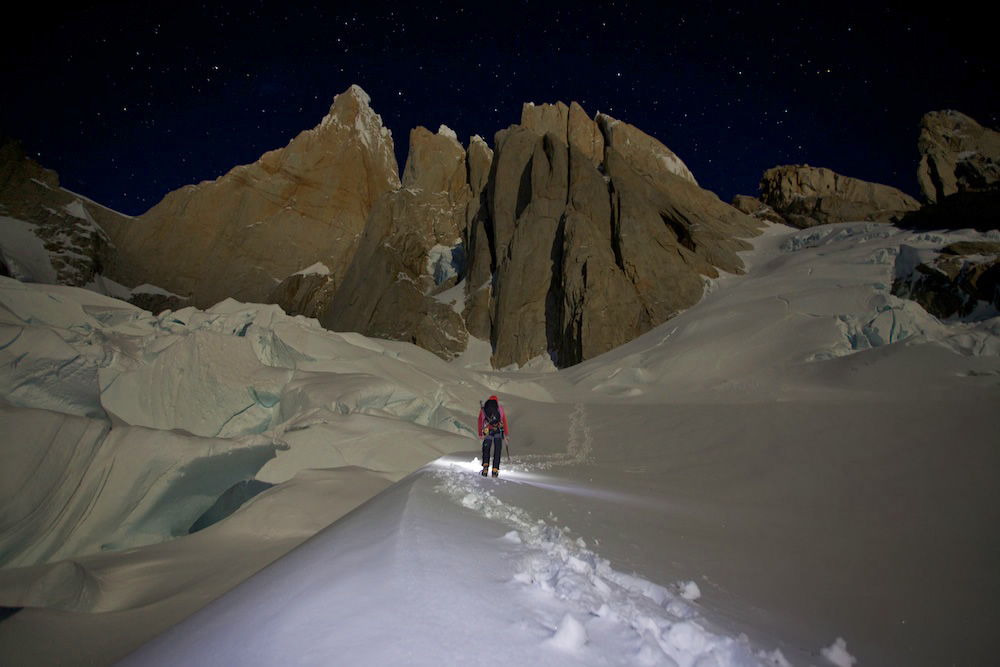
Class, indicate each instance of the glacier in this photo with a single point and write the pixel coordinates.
(800, 469)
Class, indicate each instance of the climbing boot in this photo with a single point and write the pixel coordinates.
(496, 472)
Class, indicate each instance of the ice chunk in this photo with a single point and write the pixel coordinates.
(690, 591)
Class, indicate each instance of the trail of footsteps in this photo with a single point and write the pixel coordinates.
(660, 627)
(579, 446)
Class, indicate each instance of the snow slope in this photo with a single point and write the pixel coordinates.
(800, 468)
(412, 598)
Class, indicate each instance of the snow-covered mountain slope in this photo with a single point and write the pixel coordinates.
(801, 467)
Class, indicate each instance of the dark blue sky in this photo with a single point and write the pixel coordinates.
(128, 101)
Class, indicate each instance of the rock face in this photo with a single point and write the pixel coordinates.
(410, 252)
(478, 311)
(69, 226)
(307, 292)
(962, 281)
(242, 234)
(647, 155)
(757, 209)
(576, 235)
(957, 154)
(807, 196)
(586, 256)
(571, 124)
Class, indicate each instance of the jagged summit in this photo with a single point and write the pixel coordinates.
(245, 232)
(530, 245)
(447, 131)
(349, 102)
(572, 236)
(352, 110)
(574, 126)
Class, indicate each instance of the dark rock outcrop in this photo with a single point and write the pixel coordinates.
(807, 196)
(961, 210)
(156, 302)
(757, 209)
(304, 293)
(69, 226)
(957, 154)
(959, 174)
(962, 281)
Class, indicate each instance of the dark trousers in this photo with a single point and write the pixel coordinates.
(496, 441)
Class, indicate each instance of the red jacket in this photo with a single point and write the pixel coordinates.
(503, 418)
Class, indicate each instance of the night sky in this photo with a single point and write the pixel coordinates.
(130, 100)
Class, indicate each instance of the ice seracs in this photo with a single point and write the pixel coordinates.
(135, 424)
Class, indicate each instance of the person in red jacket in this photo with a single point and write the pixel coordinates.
(493, 428)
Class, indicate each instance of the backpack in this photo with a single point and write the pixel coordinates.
(491, 411)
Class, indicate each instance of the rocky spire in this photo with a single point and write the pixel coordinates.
(241, 234)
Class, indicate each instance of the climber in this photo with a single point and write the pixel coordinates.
(493, 428)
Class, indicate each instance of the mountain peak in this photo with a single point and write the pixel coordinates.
(352, 109)
(359, 92)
